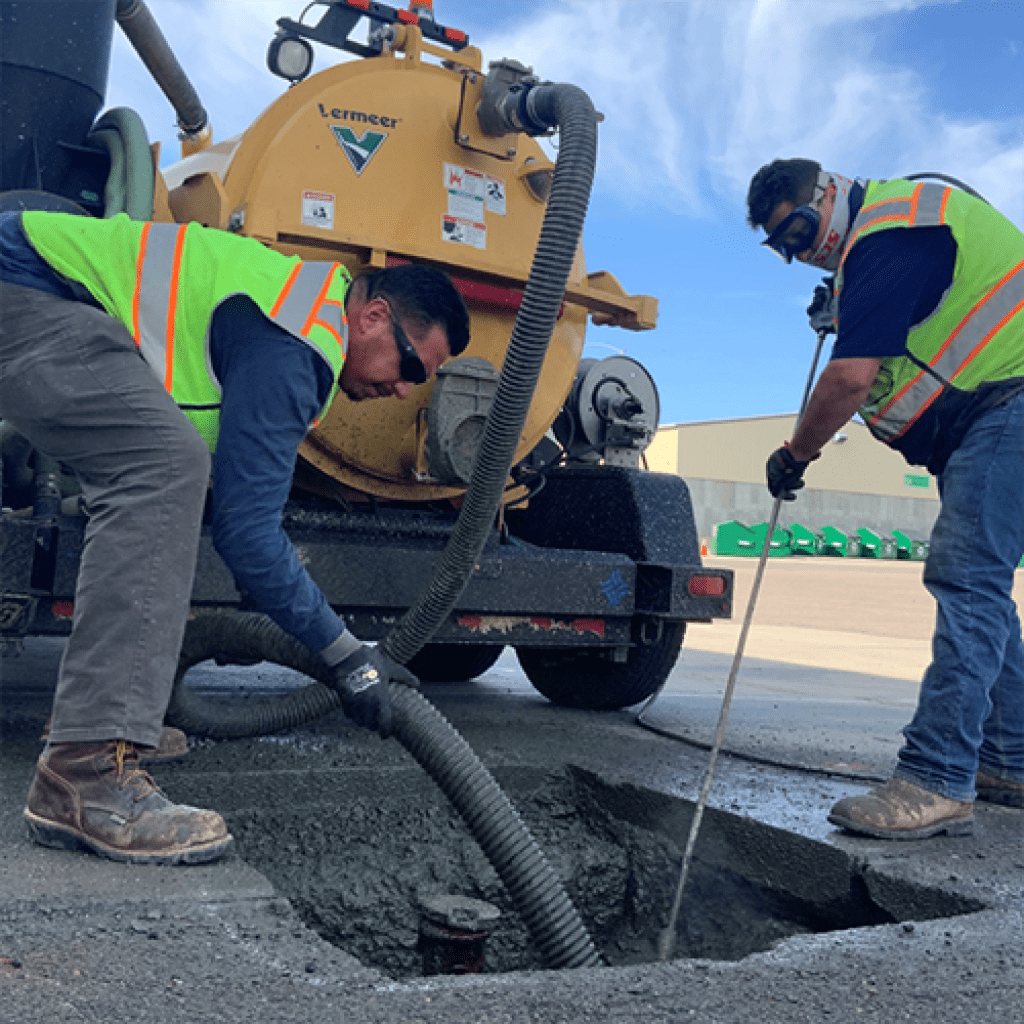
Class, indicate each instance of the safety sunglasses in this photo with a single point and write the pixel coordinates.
(411, 368)
(796, 233)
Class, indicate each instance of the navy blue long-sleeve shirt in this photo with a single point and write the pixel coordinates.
(273, 388)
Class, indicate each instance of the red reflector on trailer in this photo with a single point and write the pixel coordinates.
(409, 17)
(63, 609)
(706, 586)
(363, 5)
(455, 35)
(589, 626)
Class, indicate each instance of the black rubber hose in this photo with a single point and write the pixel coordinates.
(571, 110)
(241, 638)
(535, 890)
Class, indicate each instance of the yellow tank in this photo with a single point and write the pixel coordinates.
(382, 160)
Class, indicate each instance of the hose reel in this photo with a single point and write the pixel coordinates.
(611, 413)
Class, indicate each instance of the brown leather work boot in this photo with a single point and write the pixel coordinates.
(94, 796)
(901, 810)
(173, 746)
(999, 791)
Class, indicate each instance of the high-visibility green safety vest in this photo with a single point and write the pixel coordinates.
(165, 281)
(976, 334)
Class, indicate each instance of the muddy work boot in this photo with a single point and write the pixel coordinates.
(999, 791)
(95, 797)
(173, 746)
(901, 810)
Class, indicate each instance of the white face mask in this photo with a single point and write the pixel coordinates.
(830, 252)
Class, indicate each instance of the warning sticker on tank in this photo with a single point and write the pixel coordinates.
(495, 195)
(466, 189)
(465, 232)
(318, 209)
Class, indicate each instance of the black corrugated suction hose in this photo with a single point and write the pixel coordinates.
(571, 111)
(539, 896)
(535, 890)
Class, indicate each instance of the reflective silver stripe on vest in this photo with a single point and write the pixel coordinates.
(929, 205)
(334, 316)
(155, 282)
(1007, 296)
(927, 214)
(302, 296)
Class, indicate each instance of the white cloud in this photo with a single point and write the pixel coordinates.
(697, 94)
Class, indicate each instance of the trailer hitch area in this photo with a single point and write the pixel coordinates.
(651, 630)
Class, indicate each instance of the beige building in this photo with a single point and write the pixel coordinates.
(856, 482)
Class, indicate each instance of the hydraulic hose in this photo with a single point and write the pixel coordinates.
(425, 733)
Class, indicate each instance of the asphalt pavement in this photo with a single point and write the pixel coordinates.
(83, 939)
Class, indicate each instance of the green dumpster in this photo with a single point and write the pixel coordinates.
(840, 544)
(875, 545)
(805, 541)
(733, 538)
(781, 544)
(913, 549)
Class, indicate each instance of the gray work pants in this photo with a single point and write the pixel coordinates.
(73, 382)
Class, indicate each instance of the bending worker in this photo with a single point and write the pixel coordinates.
(928, 305)
(131, 352)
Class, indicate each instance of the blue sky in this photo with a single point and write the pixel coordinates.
(696, 96)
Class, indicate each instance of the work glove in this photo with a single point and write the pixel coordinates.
(785, 473)
(361, 681)
(823, 310)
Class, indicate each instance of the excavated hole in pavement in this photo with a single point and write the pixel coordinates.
(355, 849)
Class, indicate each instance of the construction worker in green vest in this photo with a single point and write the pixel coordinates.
(927, 302)
(162, 363)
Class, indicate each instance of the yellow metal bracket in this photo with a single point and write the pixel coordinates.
(610, 305)
(409, 40)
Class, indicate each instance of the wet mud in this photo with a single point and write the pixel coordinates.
(356, 845)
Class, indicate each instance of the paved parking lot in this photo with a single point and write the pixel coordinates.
(87, 940)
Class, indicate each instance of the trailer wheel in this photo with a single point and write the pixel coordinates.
(580, 677)
(454, 663)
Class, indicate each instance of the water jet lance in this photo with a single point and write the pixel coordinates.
(667, 936)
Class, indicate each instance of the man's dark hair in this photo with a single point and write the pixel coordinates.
(424, 296)
(781, 181)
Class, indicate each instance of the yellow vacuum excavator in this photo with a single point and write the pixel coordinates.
(404, 150)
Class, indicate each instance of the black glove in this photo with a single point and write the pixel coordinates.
(361, 681)
(823, 310)
(785, 473)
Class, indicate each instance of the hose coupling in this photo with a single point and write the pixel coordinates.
(507, 102)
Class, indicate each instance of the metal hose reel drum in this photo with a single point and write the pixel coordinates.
(611, 413)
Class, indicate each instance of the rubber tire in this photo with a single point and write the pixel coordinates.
(579, 677)
(454, 663)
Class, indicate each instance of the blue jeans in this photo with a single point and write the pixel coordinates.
(970, 712)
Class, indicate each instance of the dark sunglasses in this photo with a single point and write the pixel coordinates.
(796, 233)
(411, 368)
